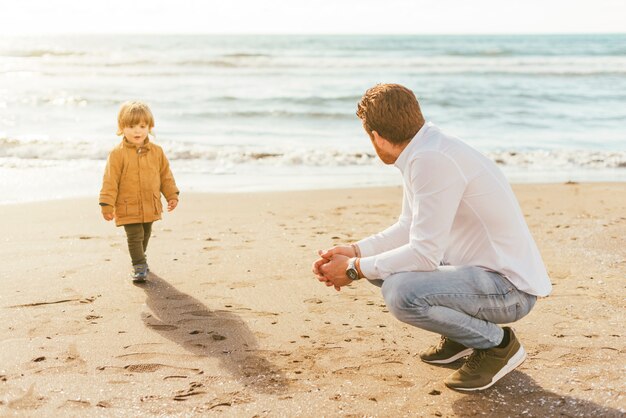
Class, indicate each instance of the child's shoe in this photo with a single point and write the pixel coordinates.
(140, 272)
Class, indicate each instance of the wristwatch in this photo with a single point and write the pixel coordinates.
(351, 271)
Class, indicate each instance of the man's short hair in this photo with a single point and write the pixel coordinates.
(391, 110)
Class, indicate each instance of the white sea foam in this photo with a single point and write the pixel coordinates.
(36, 169)
(42, 152)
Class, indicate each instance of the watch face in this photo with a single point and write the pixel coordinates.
(352, 274)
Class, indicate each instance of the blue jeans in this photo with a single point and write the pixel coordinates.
(463, 303)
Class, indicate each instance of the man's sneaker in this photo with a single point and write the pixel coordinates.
(485, 367)
(140, 272)
(447, 351)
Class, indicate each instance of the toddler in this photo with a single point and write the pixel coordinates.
(136, 174)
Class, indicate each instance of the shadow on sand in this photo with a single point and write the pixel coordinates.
(213, 333)
(518, 395)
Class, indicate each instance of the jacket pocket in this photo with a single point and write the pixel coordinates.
(127, 207)
(158, 205)
(120, 209)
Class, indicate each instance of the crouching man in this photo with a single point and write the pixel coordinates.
(460, 259)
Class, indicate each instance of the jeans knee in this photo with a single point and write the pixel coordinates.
(401, 300)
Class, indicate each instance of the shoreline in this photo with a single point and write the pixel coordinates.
(312, 189)
(232, 321)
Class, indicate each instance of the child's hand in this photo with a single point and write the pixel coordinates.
(108, 216)
(171, 205)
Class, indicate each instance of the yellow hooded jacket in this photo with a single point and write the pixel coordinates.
(134, 178)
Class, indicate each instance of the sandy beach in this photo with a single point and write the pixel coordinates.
(232, 322)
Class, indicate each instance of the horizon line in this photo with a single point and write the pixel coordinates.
(311, 34)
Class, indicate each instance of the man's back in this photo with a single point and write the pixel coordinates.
(487, 228)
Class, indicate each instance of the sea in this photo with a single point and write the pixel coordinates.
(276, 112)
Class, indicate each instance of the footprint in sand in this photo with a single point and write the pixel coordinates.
(77, 403)
(149, 368)
(28, 401)
(163, 327)
(143, 368)
(118, 382)
(83, 237)
(139, 345)
(33, 304)
(193, 390)
(71, 362)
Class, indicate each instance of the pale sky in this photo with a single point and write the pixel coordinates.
(321, 16)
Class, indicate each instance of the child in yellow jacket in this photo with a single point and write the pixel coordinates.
(136, 174)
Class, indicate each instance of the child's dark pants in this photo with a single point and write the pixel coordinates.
(138, 236)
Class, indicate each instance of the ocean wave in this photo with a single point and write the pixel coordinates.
(46, 150)
(276, 113)
(20, 152)
(37, 152)
(489, 52)
(219, 63)
(245, 55)
(300, 100)
(123, 63)
(457, 60)
(277, 104)
(41, 53)
(56, 100)
(560, 159)
(419, 64)
(166, 66)
(313, 100)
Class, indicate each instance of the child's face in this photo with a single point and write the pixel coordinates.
(136, 134)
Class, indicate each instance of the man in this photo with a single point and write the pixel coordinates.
(460, 259)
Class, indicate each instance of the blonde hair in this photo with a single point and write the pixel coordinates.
(391, 110)
(132, 113)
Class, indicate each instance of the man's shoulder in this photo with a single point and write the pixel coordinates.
(438, 146)
(442, 145)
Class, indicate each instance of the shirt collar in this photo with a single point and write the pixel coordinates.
(414, 143)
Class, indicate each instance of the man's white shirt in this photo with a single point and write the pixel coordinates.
(458, 209)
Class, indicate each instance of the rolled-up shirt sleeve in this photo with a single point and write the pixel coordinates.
(438, 185)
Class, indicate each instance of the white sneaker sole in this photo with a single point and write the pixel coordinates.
(517, 359)
(452, 359)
